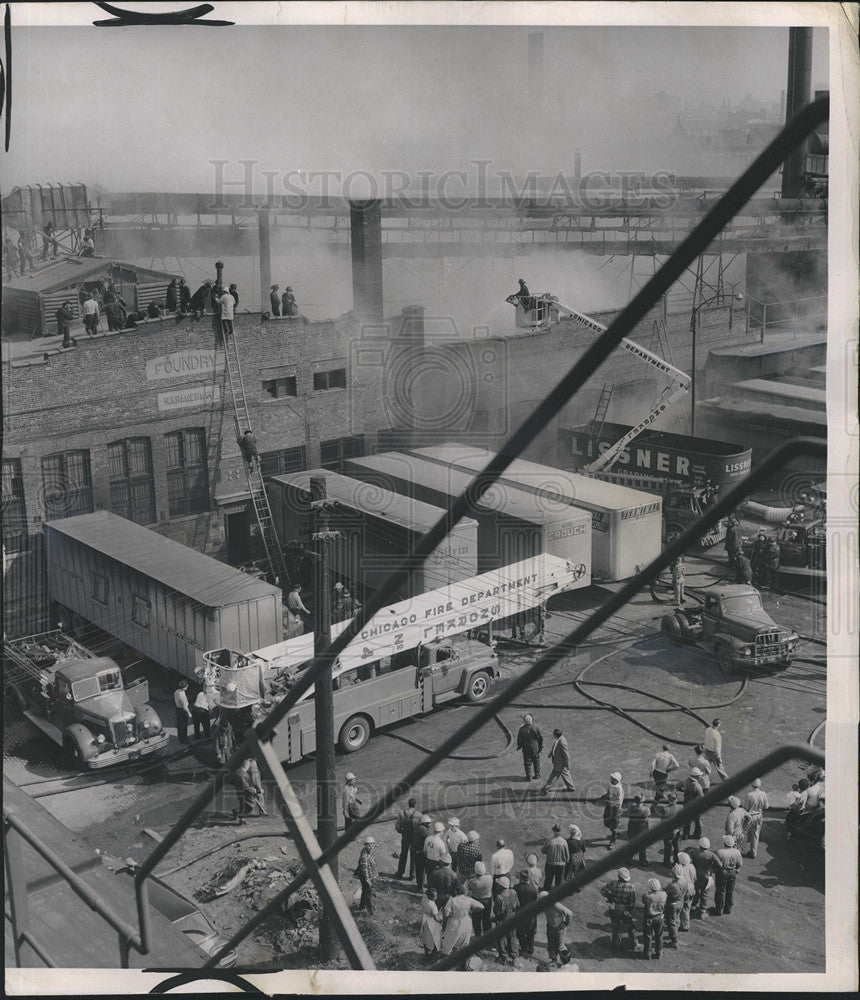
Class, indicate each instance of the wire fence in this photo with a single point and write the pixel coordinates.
(257, 741)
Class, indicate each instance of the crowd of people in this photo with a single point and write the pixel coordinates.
(761, 567)
(466, 889)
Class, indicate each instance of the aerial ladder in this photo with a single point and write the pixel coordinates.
(543, 311)
(256, 486)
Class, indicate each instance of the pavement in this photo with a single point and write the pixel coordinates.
(778, 922)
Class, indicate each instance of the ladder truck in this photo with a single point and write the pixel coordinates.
(684, 503)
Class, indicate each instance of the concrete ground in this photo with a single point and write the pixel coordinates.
(778, 921)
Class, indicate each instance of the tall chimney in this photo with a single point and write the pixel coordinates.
(535, 67)
(265, 258)
(798, 93)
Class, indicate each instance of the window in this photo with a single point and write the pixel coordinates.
(278, 387)
(110, 680)
(15, 536)
(67, 484)
(132, 491)
(140, 608)
(277, 463)
(100, 588)
(187, 474)
(333, 379)
(332, 453)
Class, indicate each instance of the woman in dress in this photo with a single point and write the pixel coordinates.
(431, 925)
(458, 922)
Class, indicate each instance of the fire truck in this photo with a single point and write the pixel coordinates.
(80, 700)
(409, 658)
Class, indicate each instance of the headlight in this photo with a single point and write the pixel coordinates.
(747, 651)
(100, 738)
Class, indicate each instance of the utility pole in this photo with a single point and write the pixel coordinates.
(324, 704)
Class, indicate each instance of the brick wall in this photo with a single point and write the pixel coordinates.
(163, 377)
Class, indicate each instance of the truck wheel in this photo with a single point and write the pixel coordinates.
(74, 755)
(726, 660)
(354, 734)
(670, 626)
(673, 533)
(479, 685)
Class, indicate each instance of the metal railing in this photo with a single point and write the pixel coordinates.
(18, 913)
(258, 740)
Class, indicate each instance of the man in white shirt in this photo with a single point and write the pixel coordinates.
(436, 854)
(453, 837)
(183, 712)
(228, 304)
(90, 310)
(501, 864)
(200, 716)
(713, 744)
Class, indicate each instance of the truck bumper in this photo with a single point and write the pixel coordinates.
(123, 754)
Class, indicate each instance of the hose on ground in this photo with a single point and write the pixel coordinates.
(455, 756)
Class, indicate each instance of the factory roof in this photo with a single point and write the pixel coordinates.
(502, 497)
(66, 271)
(183, 569)
(770, 412)
(804, 395)
(776, 343)
(384, 504)
(572, 487)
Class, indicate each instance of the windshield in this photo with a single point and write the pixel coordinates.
(748, 604)
(89, 687)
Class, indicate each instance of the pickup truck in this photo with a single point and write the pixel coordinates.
(733, 624)
(389, 690)
(80, 700)
(681, 508)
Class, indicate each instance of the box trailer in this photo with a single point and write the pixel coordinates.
(512, 524)
(626, 524)
(168, 602)
(377, 529)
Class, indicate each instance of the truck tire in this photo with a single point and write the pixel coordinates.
(670, 626)
(73, 754)
(673, 533)
(478, 686)
(354, 733)
(726, 660)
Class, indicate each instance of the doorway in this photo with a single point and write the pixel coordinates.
(238, 527)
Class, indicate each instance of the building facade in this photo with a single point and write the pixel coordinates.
(141, 423)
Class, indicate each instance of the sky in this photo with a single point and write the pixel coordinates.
(144, 109)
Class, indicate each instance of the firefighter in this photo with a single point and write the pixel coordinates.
(757, 558)
(770, 559)
(622, 898)
(733, 541)
(678, 580)
(744, 572)
(654, 902)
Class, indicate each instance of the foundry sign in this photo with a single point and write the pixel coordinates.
(182, 364)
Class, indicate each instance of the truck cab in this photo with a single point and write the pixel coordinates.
(736, 626)
(458, 666)
(681, 508)
(82, 701)
(803, 544)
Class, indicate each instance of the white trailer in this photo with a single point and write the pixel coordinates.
(512, 524)
(626, 524)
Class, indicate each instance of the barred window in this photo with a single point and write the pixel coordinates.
(277, 463)
(187, 473)
(15, 537)
(132, 488)
(68, 485)
(332, 453)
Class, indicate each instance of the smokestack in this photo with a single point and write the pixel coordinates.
(265, 258)
(535, 67)
(577, 165)
(365, 218)
(798, 94)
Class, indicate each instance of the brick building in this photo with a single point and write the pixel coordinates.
(141, 423)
